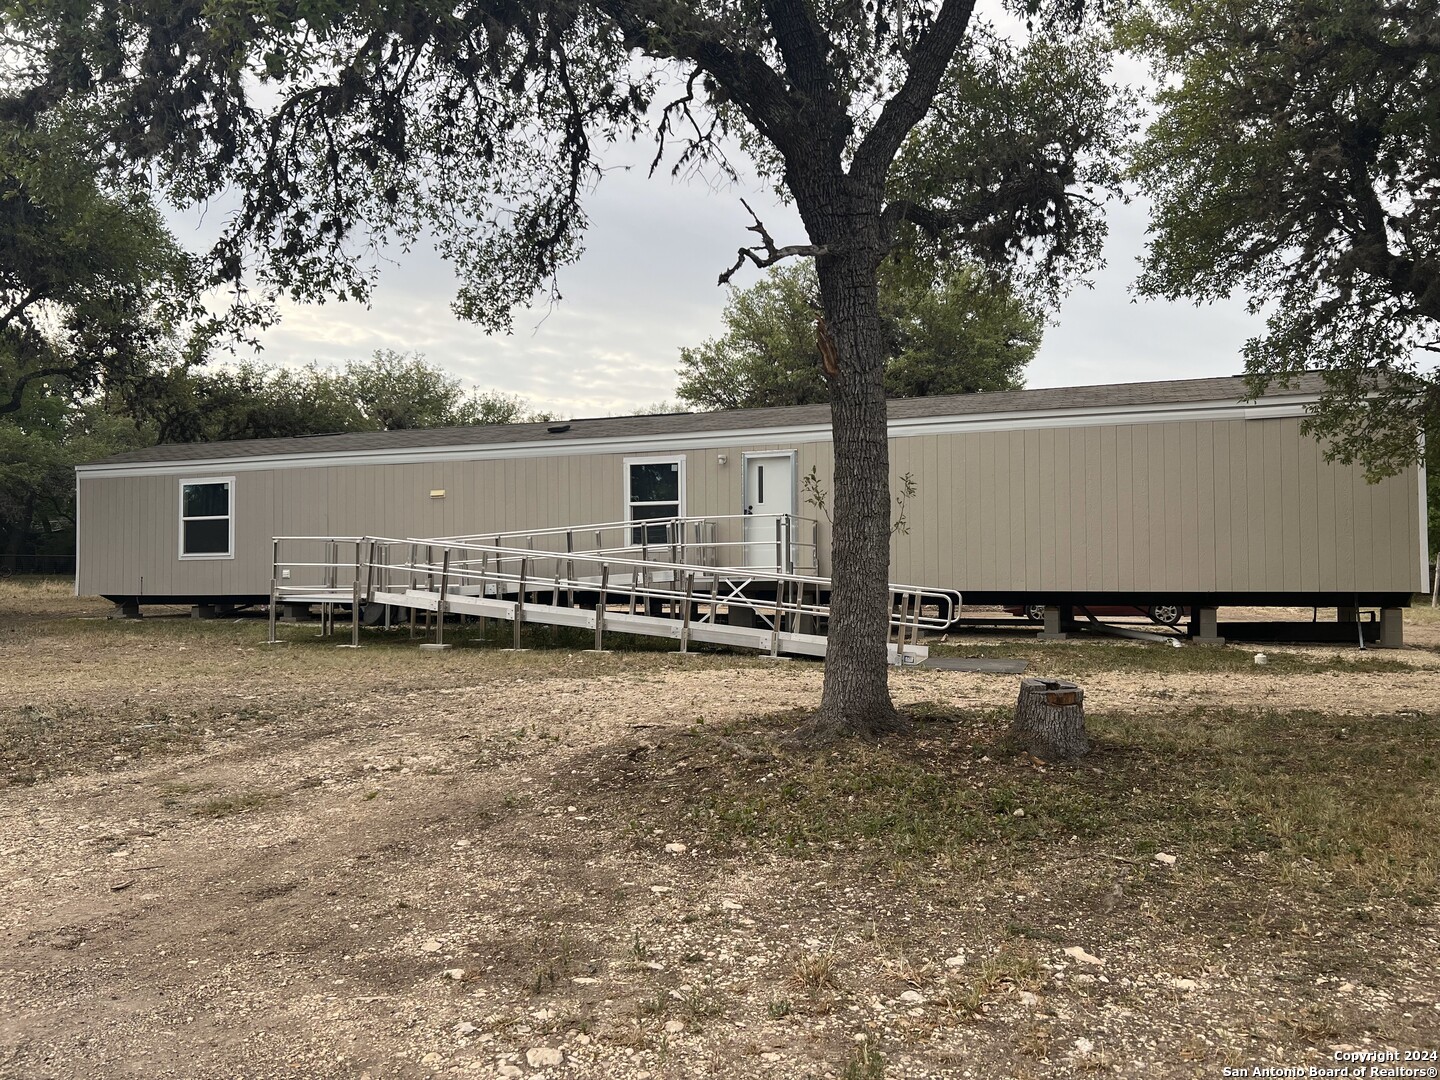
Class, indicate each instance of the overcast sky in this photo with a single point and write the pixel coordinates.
(646, 286)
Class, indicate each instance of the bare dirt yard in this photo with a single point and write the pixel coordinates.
(225, 859)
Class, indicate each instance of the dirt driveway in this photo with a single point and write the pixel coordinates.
(219, 859)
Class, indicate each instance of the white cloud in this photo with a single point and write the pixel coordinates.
(646, 287)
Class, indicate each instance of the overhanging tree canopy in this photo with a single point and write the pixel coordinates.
(485, 120)
(1296, 157)
(93, 288)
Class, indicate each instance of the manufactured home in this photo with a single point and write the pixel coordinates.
(1177, 492)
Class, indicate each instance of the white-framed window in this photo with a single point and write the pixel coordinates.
(207, 518)
(654, 488)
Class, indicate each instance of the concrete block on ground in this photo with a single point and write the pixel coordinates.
(295, 613)
(1205, 630)
(1392, 628)
(1054, 624)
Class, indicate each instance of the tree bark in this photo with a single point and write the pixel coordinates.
(856, 696)
(1050, 720)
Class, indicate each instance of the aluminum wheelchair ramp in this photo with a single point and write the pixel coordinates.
(644, 592)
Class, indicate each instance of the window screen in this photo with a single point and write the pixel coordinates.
(205, 519)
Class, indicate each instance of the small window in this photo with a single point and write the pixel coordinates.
(654, 488)
(207, 524)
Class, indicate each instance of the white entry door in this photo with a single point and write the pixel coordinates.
(769, 496)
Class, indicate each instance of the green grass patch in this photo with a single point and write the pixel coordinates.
(229, 805)
(1351, 797)
(39, 742)
(1091, 657)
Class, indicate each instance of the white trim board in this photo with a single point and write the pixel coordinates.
(229, 519)
(1425, 583)
(906, 427)
(678, 460)
(77, 534)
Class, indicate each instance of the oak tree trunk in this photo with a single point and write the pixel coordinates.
(1050, 720)
(856, 696)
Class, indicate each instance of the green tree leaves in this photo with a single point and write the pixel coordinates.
(1022, 144)
(963, 332)
(1296, 157)
(389, 391)
(92, 285)
(40, 444)
(57, 428)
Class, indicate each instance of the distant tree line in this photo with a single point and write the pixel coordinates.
(56, 428)
(957, 329)
(105, 338)
(390, 391)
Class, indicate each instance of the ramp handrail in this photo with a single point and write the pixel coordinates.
(796, 540)
(946, 601)
(448, 567)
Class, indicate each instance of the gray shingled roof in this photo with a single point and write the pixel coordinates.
(620, 427)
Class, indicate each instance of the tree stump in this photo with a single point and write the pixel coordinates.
(1050, 720)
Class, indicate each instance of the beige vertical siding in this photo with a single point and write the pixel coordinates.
(1203, 506)
(1183, 507)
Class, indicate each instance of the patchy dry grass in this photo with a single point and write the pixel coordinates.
(1354, 800)
(227, 805)
(43, 596)
(814, 972)
(38, 742)
(409, 863)
(1086, 657)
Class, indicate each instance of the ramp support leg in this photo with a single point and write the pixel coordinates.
(441, 606)
(600, 608)
(520, 601)
(685, 627)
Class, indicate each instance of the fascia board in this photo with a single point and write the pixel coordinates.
(678, 442)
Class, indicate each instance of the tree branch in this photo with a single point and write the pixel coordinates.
(772, 254)
(702, 145)
(802, 44)
(1014, 193)
(933, 223)
(17, 396)
(907, 107)
(18, 308)
(658, 29)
